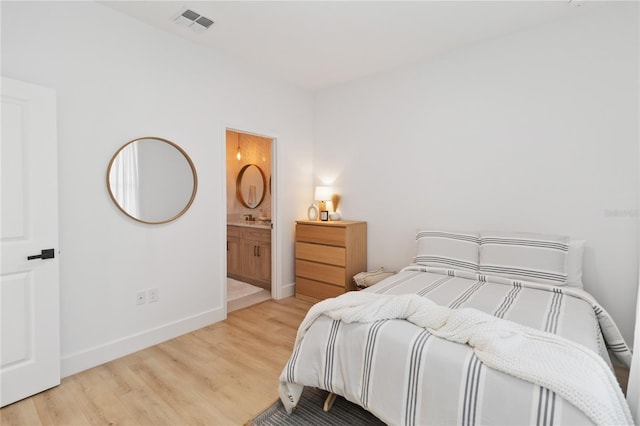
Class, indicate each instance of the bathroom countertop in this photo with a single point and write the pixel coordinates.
(251, 224)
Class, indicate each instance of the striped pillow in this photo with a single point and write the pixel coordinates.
(574, 263)
(451, 250)
(531, 257)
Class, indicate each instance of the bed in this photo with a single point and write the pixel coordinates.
(407, 371)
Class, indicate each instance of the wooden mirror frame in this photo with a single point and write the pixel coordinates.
(187, 158)
(239, 186)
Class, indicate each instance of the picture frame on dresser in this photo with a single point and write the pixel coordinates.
(328, 254)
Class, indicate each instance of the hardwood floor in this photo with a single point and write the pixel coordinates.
(223, 374)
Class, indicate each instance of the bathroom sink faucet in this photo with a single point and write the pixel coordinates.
(249, 217)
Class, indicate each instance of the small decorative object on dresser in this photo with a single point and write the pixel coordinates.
(312, 212)
(328, 255)
(323, 194)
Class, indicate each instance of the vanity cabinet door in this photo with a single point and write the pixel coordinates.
(234, 256)
(258, 256)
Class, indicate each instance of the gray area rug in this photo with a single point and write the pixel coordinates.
(309, 412)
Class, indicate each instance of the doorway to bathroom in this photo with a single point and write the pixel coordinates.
(249, 218)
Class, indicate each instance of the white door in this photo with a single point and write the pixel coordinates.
(29, 296)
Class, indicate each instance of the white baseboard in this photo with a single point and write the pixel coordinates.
(97, 355)
(288, 290)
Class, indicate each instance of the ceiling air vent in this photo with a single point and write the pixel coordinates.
(204, 21)
(193, 20)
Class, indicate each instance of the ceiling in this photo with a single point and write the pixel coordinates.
(317, 44)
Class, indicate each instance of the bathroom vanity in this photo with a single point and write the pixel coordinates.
(249, 253)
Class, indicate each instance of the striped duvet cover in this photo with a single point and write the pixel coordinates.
(404, 375)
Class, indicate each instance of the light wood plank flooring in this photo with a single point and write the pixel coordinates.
(223, 374)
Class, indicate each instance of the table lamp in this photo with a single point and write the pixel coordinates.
(323, 194)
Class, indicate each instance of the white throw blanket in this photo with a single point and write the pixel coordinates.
(573, 371)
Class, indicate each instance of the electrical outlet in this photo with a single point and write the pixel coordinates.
(152, 295)
(141, 297)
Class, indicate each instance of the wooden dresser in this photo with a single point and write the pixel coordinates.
(328, 255)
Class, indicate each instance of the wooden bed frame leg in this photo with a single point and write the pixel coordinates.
(329, 401)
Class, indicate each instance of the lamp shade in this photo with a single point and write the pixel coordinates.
(323, 193)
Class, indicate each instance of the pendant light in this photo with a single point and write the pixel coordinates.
(238, 154)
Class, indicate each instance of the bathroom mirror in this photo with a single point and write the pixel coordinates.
(152, 180)
(250, 186)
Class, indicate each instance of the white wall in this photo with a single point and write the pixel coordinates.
(118, 79)
(633, 387)
(536, 131)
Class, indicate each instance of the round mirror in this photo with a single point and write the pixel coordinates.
(250, 186)
(152, 180)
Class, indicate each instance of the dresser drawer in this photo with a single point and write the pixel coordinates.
(334, 236)
(321, 272)
(317, 290)
(321, 254)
